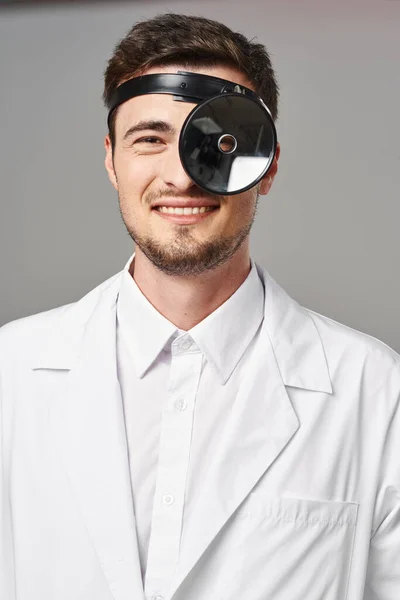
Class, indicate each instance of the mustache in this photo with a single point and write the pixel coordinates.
(195, 193)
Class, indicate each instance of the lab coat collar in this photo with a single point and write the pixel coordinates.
(297, 345)
(293, 334)
(223, 336)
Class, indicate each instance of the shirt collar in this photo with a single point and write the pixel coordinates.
(145, 330)
(223, 336)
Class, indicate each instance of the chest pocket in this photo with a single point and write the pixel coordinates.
(295, 548)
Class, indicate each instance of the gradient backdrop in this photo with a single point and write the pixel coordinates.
(329, 230)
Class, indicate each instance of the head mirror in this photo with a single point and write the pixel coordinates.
(227, 142)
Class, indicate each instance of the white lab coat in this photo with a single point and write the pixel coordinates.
(302, 500)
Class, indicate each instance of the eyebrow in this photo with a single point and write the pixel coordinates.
(161, 126)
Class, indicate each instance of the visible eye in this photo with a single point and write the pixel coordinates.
(148, 145)
(148, 140)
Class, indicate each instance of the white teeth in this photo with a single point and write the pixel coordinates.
(184, 210)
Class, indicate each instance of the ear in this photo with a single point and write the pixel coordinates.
(266, 182)
(109, 162)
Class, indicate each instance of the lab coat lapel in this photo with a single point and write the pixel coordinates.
(261, 424)
(89, 428)
(262, 421)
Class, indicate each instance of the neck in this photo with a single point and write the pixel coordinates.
(185, 301)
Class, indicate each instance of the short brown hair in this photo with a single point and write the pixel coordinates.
(188, 41)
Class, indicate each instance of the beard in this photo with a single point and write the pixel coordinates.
(185, 256)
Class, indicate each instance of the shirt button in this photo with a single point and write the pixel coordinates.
(168, 499)
(180, 405)
(185, 345)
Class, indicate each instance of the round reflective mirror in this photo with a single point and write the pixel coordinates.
(228, 143)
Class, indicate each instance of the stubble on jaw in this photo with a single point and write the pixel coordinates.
(186, 256)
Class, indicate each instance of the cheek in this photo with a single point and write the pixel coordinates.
(243, 206)
(135, 173)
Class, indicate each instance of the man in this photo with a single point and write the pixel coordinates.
(186, 430)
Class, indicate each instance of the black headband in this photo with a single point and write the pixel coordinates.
(184, 86)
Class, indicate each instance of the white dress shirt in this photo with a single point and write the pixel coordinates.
(177, 388)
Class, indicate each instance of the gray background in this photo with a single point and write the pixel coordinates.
(327, 232)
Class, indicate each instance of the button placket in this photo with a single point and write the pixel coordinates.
(175, 440)
(185, 344)
(168, 499)
(180, 346)
(180, 405)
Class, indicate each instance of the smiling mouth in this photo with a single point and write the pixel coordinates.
(185, 210)
(185, 215)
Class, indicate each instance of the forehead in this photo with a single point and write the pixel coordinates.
(163, 107)
(151, 107)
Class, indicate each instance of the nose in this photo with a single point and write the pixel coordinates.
(174, 175)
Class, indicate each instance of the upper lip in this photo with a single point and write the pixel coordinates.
(182, 203)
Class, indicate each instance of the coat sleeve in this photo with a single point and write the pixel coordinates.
(383, 574)
(7, 586)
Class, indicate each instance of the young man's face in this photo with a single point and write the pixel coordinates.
(147, 172)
